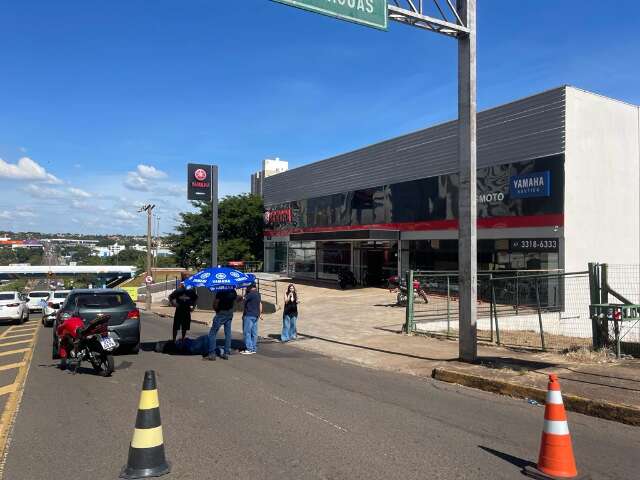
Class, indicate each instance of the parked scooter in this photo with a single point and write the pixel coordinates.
(346, 278)
(92, 342)
(400, 288)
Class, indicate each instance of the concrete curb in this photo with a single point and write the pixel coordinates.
(586, 406)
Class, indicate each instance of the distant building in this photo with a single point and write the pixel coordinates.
(270, 167)
(110, 251)
(160, 251)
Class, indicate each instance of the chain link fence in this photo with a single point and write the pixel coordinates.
(531, 309)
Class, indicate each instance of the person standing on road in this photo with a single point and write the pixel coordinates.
(223, 305)
(252, 311)
(184, 300)
(290, 314)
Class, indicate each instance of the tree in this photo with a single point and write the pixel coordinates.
(240, 232)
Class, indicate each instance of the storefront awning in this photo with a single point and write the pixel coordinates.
(347, 235)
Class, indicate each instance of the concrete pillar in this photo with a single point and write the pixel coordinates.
(467, 235)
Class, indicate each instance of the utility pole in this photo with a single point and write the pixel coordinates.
(149, 209)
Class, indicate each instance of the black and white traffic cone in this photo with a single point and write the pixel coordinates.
(146, 452)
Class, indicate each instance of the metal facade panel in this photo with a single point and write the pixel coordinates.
(528, 128)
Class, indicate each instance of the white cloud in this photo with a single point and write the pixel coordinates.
(6, 215)
(144, 178)
(150, 173)
(26, 169)
(44, 192)
(78, 193)
(135, 182)
(124, 214)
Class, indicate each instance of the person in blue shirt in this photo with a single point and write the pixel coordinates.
(252, 312)
(187, 346)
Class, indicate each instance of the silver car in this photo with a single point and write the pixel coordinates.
(54, 302)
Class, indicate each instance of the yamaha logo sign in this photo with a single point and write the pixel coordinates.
(537, 184)
(200, 174)
(200, 180)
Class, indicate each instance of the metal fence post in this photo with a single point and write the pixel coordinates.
(604, 299)
(491, 307)
(517, 294)
(409, 310)
(540, 313)
(448, 306)
(495, 311)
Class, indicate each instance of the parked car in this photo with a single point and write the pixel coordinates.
(36, 299)
(54, 302)
(124, 321)
(13, 306)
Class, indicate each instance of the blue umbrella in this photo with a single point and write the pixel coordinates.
(220, 278)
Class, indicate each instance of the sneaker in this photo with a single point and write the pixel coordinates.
(224, 356)
(252, 352)
(245, 352)
(211, 357)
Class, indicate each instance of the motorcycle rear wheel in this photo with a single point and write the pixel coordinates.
(104, 366)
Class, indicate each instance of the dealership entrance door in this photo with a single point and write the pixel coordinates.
(378, 262)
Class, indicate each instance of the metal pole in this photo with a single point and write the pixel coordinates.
(409, 310)
(448, 306)
(539, 313)
(149, 218)
(214, 216)
(467, 246)
(495, 312)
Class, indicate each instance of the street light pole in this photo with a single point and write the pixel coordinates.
(149, 209)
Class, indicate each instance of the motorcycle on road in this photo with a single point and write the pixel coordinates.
(78, 342)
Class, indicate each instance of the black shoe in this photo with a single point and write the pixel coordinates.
(211, 357)
(224, 357)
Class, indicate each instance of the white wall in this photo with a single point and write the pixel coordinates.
(602, 181)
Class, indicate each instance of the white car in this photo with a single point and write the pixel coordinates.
(54, 302)
(37, 299)
(13, 306)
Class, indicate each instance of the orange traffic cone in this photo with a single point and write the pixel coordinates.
(556, 453)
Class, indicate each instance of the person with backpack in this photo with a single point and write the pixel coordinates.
(290, 314)
(223, 305)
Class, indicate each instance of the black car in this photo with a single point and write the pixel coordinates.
(124, 324)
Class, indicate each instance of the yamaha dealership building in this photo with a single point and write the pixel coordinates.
(558, 186)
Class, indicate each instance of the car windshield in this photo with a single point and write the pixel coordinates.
(38, 294)
(60, 295)
(7, 296)
(102, 300)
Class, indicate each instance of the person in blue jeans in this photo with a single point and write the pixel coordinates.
(252, 311)
(290, 315)
(223, 305)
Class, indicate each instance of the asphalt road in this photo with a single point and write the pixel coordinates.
(286, 413)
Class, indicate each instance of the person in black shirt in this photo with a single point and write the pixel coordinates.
(185, 301)
(223, 304)
(290, 314)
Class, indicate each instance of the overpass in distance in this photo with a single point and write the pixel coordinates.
(43, 271)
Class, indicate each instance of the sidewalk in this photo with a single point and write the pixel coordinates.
(364, 327)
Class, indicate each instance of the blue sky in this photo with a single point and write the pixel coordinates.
(105, 102)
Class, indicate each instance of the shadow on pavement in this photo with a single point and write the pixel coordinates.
(517, 461)
(373, 349)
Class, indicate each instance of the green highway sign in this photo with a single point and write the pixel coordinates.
(372, 13)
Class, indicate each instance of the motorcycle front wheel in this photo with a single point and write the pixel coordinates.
(103, 365)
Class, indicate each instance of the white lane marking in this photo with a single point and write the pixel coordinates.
(293, 405)
(311, 414)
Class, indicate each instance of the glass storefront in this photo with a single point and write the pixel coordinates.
(332, 258)
(302, 259)
(442, 255)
